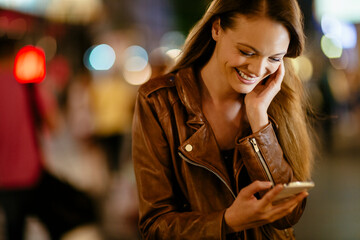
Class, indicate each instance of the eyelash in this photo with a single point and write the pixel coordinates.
(275, 59)
(247, 54)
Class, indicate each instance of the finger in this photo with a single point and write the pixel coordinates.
(277, 213)
(285, 209)
(270, 195)
(273, 84)
(300, 196)
(255, 187)
(276, 79)
(289, 204)
(280, 73)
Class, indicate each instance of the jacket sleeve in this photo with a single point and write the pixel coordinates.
(264, 160)
(161, 211)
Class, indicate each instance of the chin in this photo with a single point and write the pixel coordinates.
(244, 89)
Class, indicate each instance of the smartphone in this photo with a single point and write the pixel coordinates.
(292, 189)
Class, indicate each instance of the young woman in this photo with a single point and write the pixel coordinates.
(214, 139)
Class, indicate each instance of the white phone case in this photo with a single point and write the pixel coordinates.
(292, 189)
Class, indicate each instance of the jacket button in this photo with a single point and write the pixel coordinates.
(188, 148)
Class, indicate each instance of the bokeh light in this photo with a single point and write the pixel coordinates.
(330, 25)
(136, 58)
(349, 36)
(342, 62)
(29, 65)
(17, 28)
(101, 57)
(347, 10)
(172, 40)
(171, 43)
(331, 47)
(339, 85)
(73, 11)
(49, 45)
(136, 68)
(138, 77)
(174, 54)
(344, 32)
(135, 64)
(24, 3)
(304, 68)
(158, 57)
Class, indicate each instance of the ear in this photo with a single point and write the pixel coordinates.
(216, 29)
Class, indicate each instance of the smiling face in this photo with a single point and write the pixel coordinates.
(249, 52)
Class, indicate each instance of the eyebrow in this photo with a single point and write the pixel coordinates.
(257, 51)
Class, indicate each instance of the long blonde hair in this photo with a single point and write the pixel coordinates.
(289, 106)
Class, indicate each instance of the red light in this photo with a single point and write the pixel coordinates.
(30, 65)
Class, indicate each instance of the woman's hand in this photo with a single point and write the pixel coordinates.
(258, 100)
(248, 212)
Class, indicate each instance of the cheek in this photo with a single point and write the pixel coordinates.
(270, 70)
(273, 68)
(235, 60)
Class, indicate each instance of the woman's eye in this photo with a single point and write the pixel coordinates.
(248, 54)
(275, 59)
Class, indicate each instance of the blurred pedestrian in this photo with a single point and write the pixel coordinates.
(20, 156)
(26, 187)
(112, 102)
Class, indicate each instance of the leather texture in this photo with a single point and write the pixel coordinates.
(183, 184)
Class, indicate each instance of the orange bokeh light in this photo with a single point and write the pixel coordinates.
(30, 65)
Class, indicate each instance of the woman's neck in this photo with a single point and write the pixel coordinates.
(214, 87)
(222, 110)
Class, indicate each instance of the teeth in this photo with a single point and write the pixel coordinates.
(245, 76)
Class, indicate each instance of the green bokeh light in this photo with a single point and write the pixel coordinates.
(331, 47)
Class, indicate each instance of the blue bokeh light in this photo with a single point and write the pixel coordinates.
(344, 32)
(101, 57)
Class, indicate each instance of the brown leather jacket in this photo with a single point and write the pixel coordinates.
(183, 184)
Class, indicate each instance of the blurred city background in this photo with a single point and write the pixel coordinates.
(97, 53)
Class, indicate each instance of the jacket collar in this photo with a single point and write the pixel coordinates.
(189, 94)
(200, 148)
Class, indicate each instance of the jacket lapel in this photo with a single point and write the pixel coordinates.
(189, 94)
(200, 148)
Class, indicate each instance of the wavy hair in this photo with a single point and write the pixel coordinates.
(289, 106)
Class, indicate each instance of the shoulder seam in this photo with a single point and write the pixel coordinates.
(157, 83)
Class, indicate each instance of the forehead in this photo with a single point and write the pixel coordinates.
(262, 33)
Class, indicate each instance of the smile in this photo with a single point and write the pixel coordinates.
(245, 77)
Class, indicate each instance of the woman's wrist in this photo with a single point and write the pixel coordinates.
(228, 228)
(228, 219)
(258, 121)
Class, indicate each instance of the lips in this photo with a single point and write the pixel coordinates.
(245, 78)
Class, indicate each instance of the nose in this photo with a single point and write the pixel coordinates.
(258, 66)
